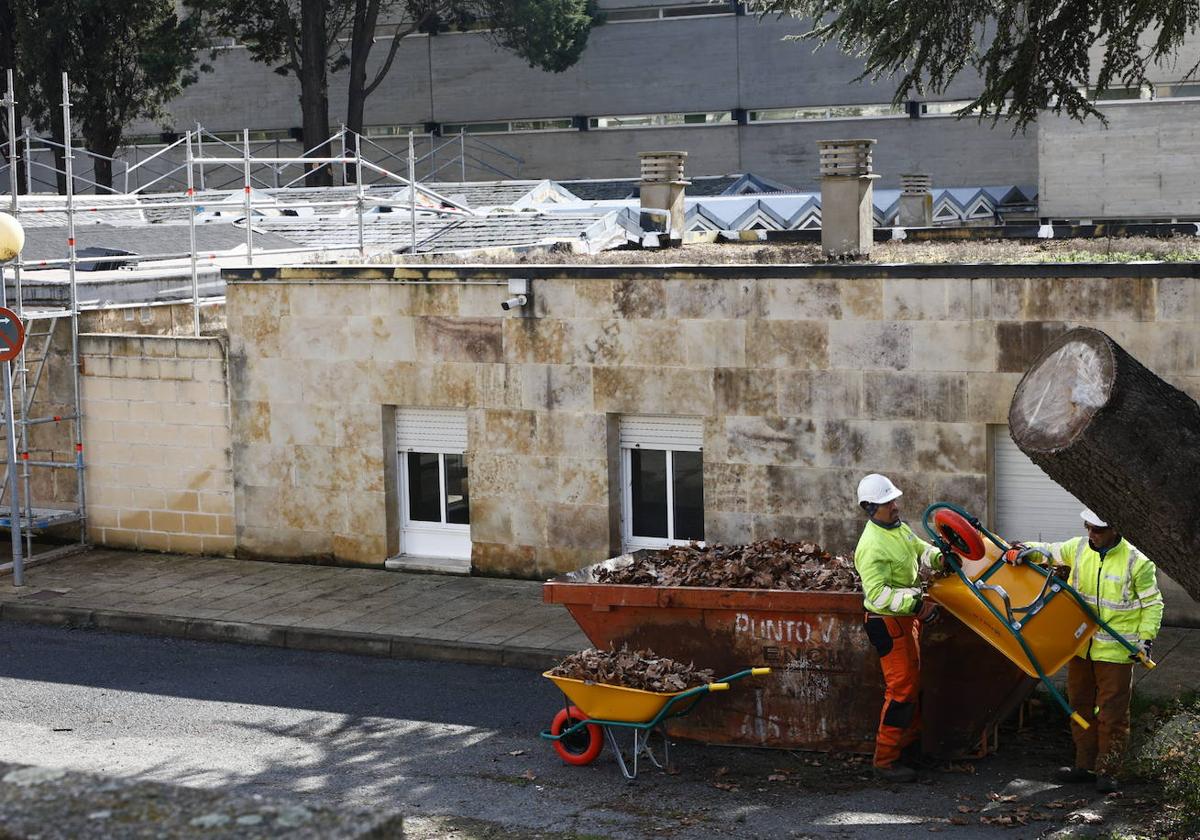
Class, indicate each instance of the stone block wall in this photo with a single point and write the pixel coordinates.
(156, 429)
(806, 377)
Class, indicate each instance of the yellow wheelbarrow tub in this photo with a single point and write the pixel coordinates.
(613, 702)
(1054, 633)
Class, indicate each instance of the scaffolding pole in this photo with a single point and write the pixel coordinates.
(362, 241)
(246, 188)
(77, 424)
(19, 308)
(412, 192)
(191, 194)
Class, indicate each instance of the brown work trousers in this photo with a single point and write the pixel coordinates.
(1099, 692)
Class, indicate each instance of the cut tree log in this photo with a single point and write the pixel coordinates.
(1121, 440)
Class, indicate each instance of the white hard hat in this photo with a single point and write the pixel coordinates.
(1089, 516)
(877, 489)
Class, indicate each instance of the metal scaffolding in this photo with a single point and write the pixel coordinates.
(23, 517)
(344, 151)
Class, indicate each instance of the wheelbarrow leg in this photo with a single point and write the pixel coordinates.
(666, 756)
(641, 746)
(616, 749)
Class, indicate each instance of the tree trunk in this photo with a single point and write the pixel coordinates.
(314, 87)
(362, 38)
(1121, 440)
(102, 168)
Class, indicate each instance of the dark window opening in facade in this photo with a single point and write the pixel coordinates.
(662, 469)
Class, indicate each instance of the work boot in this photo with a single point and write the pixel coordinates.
(895, 773)
(1074, 775)
(1107, 784)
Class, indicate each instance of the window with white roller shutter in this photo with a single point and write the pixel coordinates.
(434, 496)
(1027, 503)
(662, 481)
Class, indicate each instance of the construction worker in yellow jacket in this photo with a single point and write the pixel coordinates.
(888, 559)
(1120, 584)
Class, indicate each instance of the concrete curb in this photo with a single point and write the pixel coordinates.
(273, 635)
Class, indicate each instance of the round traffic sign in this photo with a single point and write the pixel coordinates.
(12, 335)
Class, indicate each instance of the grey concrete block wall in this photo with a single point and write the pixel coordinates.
(806, 379)
(668, 66)
(1141, 166)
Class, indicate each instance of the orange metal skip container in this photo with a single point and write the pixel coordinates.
(825, 691)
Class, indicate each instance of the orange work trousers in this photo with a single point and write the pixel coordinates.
(1105, 686)
(896, 640)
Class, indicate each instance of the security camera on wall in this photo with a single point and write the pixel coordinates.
(519, 291)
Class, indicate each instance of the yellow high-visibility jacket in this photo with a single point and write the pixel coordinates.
(1121, 586)
(888, 561)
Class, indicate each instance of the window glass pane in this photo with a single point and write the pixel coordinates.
(457, 497)
(424, 502)
(649, 474)
(688, 480)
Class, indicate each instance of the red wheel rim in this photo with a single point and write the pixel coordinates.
(959, 533)
(580, 747)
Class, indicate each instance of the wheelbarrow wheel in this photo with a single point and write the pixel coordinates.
(579, 747)
(959, 533)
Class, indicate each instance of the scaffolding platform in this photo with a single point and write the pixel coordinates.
(41, 518)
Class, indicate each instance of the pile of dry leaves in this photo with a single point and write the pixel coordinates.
(641, 669)
(766, 564)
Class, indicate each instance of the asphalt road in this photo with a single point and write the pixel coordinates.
(455, 747)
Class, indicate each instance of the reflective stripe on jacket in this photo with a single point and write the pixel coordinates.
(888, 561)
(1121, 586)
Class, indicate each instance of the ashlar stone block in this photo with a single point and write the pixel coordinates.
(556, 387)
(746, 391)
(802, 299)
(954, 345)
(820, 393)
(866, 345)
(788, 344)
(720, 344)
(891, 395)
(771, 440)
(650, 390)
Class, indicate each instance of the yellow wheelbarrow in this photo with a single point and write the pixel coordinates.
(1036, 619)
(594, 712)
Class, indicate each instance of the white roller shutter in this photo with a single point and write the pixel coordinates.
(682, 434)
(431, 430)
(1029, 504)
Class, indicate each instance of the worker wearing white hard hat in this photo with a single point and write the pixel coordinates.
(889, 557)
(1121, 584)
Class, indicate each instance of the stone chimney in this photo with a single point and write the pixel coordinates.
(847, 220)
(916, 201)
(662, 191)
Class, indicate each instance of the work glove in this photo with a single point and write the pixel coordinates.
(1143, 648)
(1013, 556)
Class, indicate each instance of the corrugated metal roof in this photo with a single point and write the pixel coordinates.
(51, 243)
(392, 230)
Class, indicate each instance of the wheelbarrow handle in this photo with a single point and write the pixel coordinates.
(718, 686)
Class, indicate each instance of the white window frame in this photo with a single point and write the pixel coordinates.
(438, 432)
(664, 434)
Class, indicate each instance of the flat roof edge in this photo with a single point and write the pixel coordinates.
(751, 271)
